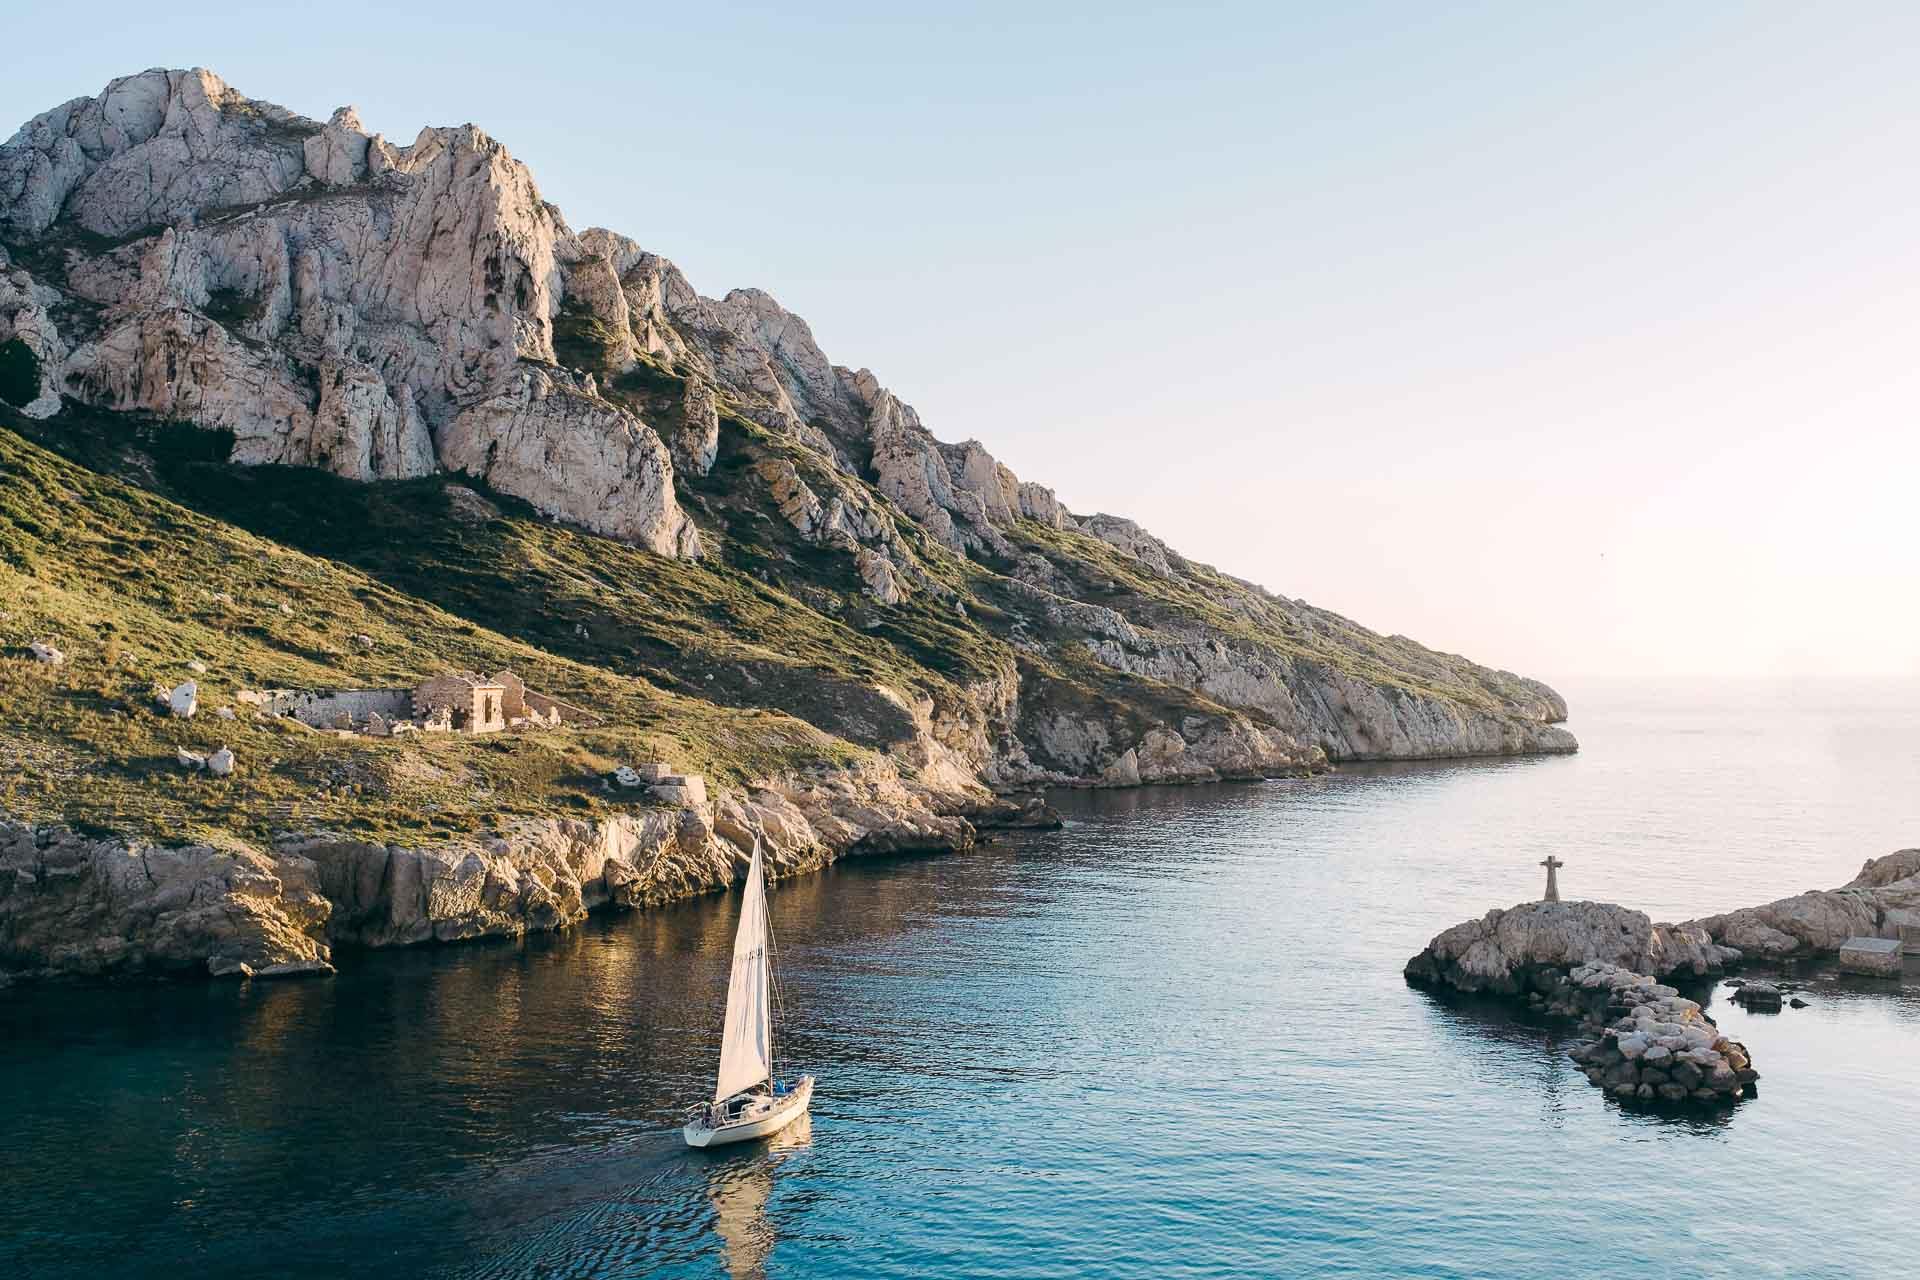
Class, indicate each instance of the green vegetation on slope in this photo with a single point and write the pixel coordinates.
(134, 586)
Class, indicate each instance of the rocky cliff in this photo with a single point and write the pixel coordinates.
(174, 251)
(72, 904)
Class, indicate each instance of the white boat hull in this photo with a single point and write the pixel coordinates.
(783, 1112)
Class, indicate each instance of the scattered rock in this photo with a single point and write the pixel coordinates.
(1758, 995)
(627, 776)
(183, 700)
(198, 667)
(220, 763)
(225, 713)
(1797, 1003)
(363, 642)
(1660, 1045)
(191, 759)
(45, 651)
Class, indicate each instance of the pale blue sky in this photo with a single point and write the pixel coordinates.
(1580, 339)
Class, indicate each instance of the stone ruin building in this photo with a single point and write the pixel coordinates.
(453, 702)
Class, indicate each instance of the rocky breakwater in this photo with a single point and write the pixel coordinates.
(1601, 963)
(1654, 1044)
(72, 904)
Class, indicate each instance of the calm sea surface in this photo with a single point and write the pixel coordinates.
(1172, 1040)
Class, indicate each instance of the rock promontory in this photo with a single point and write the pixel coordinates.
(1599, 963)
(1502, 951)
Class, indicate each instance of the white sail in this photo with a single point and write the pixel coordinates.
(746, 1048)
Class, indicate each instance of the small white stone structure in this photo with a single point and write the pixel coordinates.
(663, 784)
(1553, 865)
(683, 789)
(1872, 957)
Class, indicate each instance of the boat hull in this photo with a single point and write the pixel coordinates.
(783, 1113)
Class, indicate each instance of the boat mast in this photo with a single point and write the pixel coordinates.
(779, 1011)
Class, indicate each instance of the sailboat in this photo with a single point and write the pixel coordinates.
(749, 1100)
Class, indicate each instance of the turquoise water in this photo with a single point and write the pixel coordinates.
(1171, 1040)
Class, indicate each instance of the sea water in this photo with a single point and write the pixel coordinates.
(1170, 1040)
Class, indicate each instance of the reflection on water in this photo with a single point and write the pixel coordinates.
(740, 1187)
(1171, 1038)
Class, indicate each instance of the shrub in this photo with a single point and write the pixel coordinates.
(19, 373)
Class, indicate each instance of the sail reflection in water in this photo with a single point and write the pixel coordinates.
(740, 1189)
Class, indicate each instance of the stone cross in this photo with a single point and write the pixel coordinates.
(1553, 865)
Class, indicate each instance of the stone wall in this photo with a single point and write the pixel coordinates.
(323, 710)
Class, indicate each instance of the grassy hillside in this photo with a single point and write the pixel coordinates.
(134, 586)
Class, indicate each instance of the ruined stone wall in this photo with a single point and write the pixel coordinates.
(323, 710)
(452, 692)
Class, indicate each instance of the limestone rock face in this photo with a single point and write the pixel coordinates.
(69, 904)
(552, 442)
(74, 905)
(1496, 952)
(331, 299)
(151, 148)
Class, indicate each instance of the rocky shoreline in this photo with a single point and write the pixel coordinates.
(1600, 964)
(72, 904)
(1878, 903)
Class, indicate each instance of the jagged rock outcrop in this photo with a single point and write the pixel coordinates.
(329, 298)
(1498, 952)
(70, 904)
(77, 905)
(573, 455)
(1875, 903)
